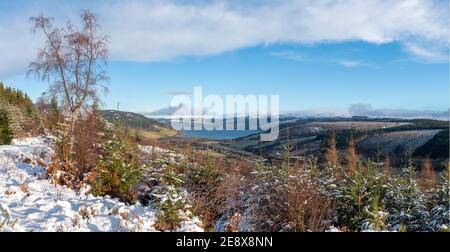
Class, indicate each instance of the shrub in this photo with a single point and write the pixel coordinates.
(204, 183)
(288, 199)
(89, 136)
(73, 167)
(268, 188)
(61, 170)
(308, 208)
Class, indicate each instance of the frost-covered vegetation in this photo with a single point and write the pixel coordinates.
(86, 174)
(18, 115)
(31, 203)
(91, 178)
(363, 195)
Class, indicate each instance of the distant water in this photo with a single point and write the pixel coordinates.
(217, 134)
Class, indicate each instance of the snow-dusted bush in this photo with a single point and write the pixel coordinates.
(170, 202)
(287, 199)
(439, 218)
(405, 202)
(169, 209)
(117, 171)
(357, 197)
(204, 178)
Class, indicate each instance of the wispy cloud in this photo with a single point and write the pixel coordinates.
(428, 54)
(350, 63)
(297, 56)
(158, 30)
(174, 92)
(291, 55)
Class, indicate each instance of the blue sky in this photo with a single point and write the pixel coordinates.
(323, 60)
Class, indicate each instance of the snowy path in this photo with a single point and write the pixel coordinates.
(30, 203)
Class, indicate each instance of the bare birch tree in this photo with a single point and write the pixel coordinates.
(73, 61)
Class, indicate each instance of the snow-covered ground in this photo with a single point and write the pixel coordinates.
(28, 202)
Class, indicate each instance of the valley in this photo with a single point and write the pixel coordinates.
(308, 137)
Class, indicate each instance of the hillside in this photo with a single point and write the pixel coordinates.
(22, 114)
(32, 203)
(389, 136)
(147, 127)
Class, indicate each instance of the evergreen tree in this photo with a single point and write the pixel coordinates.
(440, 214)
(172, 205)
(6, 134)
(351, 156)
(117, 169)
(332, 158)
(358, 196)
(54, 115)
(406, 203)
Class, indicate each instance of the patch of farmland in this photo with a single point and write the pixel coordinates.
(357, 125)
(397, 141)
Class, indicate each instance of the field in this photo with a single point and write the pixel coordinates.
(389, 136)
(395, 142)
(357, 125)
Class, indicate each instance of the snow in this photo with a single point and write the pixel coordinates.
(151, 149)
(333, 229)
(28, 202)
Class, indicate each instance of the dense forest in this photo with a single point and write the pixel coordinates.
(18, 115)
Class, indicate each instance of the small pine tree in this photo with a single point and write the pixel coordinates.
(332, 158)
(6, 134)
(377, 217)
(169, 208)
(351, 157)
(117, 169)
(54, 115)
(331, 155)
(357, 193)
(440, 214)
(168, 217)
(429, 180)
(406, 203)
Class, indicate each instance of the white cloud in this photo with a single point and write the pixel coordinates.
(164, 30)
(350, 63)
(365, 109)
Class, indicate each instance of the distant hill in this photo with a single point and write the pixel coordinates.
(389, 136)
(164, 112)
(148, 128)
